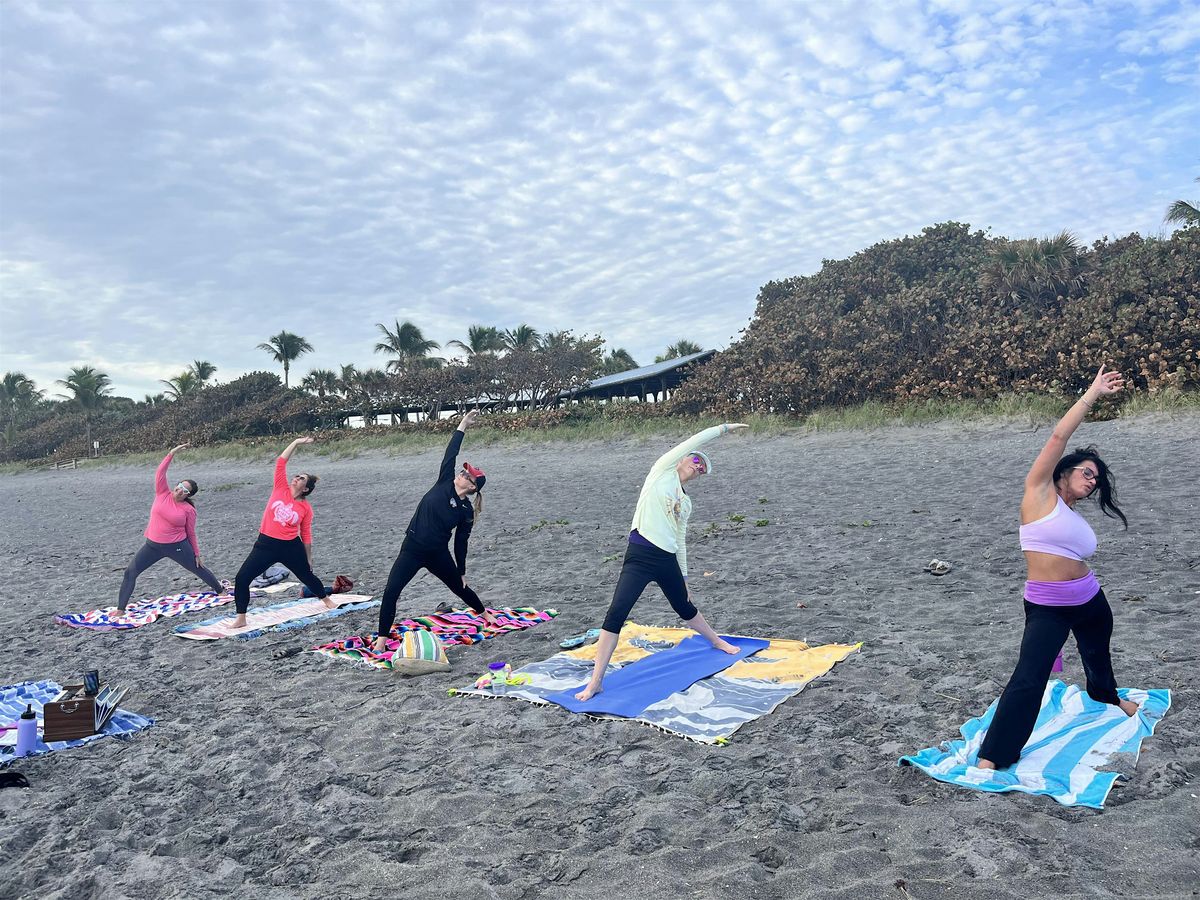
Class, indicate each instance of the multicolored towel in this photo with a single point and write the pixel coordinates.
(1073, 738)
(709, 711)
(14, 698)
(147, 611)
(280, 617)
(451, 628)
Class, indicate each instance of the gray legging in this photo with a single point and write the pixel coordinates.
(152, 552)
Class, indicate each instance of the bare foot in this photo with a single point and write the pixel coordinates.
(588, 693)
(1129, 707)
(330, 603)
(726, 646)
(380, 645)
(239, 621)
(985, 764)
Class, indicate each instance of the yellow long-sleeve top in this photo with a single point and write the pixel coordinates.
(663, 509)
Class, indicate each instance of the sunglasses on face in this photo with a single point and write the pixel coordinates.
(466, 475)
(1088, 474)
(184, 486)
(698, 463)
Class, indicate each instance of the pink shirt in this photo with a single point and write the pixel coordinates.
(170, 520)
(285, 518)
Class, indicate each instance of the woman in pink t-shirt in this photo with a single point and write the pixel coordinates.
(285, 536)
(170, 534)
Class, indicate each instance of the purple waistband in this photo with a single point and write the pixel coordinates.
(635, 538)
(1075, 592)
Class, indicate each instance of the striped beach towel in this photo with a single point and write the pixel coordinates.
(145, 612)
(1075, 736)
(280, 617)
(15, 697)
(456, 628)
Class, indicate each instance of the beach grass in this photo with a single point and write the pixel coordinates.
(871, 415)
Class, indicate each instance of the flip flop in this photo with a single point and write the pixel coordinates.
(13, 779)
(580, 639)
(444, 607)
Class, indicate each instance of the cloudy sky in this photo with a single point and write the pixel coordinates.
(180, 181)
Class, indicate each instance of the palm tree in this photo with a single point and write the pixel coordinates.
(89, 389)
(1183, 212)
(1035, 269)
(523, 337)
(558, 340)
(481, 339)
(678, 349)
(18, 394)
(182, 385)
(348, 380)
(406, 343)
(285, 347)
(203, 370)
(618, 361)
(153, 400)
(322, 382)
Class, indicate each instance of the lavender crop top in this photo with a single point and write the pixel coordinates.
(1061, 532)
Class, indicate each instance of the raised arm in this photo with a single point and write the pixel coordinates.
(446, 472)
(290, 449)
(161, 486)
(697, 440)
(1042, 470)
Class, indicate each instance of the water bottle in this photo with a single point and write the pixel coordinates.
(26, 732)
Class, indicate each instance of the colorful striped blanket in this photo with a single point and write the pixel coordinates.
(1074, 737)
(13, 699)
(280, 617)
(710, 710)
(143, 613)
(451, 628)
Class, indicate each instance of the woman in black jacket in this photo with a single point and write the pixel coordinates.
(443, 509)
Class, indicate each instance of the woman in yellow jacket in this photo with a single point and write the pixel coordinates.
(657, 548)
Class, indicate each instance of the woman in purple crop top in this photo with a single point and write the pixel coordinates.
(1062, 594)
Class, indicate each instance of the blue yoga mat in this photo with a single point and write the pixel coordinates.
(629, 690)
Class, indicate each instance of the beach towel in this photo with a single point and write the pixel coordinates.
(451, 629)
(654, 678)
(710, 711)
(280, 617)
(145, 612)
(14, 698)
(1073, 739)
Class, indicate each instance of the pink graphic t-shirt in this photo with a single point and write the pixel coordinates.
(170, 520)
(285, 518)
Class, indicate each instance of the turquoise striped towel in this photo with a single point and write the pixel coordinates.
(1074, 737)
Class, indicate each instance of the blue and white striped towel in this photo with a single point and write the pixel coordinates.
(1074, 736)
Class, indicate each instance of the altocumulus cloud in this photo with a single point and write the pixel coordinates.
(181, 180)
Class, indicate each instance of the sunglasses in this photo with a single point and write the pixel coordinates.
(467, 475)
(698, 462)
(1088, 474)
(184, 486)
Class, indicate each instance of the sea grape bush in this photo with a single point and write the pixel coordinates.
(955, 314)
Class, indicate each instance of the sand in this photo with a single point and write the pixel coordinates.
(307, 777)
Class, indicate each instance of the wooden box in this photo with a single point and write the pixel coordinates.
(73, 714)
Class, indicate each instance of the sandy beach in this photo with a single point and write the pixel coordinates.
(307, 777)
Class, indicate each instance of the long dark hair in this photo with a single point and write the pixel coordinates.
(1106, 483)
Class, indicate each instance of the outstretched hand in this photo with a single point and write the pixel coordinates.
(175, 450)
(1107, 382)
(468, 419)
(734, 426)
(304, 440)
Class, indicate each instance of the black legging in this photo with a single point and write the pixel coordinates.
(150, 553)
(265, 553)
(410, 561)
(1046, 630)
(643, 565)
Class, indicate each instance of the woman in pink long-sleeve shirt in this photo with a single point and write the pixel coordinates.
(170, 534)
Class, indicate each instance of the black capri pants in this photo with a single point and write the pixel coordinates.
(1046, 629)
(265, 553)
(643, 565)
(410, 561)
